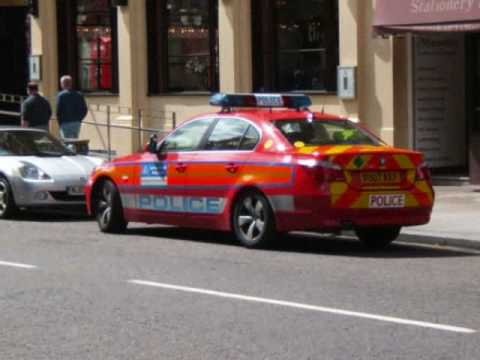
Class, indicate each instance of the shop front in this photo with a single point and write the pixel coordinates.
(442, 40)
(14, 31)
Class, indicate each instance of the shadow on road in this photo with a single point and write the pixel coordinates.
(53, 215)
(306, 243)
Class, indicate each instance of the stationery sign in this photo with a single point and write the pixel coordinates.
(439, 99)
(35, 68)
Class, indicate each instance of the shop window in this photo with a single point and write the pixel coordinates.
(296, 45)
(87, 32)
(182, 45)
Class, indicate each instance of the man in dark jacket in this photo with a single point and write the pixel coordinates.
(71, 109)
(36, 110)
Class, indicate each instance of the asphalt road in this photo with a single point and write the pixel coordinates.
(69, 292)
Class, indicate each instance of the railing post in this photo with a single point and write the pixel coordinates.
(139, 124)
(174, 119)
(109, 144)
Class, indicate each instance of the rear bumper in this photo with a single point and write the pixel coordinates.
(338, 219)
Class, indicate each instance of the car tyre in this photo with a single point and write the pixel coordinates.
(8, 207)
(378, 237)
(253, 220)
(109, 210)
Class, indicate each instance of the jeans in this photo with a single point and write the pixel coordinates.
(70, 130)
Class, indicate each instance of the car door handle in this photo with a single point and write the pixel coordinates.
(181, 167)
(231, 168)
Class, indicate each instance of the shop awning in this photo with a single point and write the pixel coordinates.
(400, 16)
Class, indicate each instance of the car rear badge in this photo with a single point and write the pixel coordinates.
(382, 161)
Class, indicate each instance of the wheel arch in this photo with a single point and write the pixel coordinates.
(95, 188)
(4, 175)
(238, 193)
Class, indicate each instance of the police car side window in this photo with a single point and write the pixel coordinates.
(187, 137)
(227, 134)
(250, 140)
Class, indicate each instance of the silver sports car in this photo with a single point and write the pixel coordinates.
(37, 170)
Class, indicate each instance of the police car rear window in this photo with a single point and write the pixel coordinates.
(317, 133)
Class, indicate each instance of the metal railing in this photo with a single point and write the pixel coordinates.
(106, 119)
(112, 118)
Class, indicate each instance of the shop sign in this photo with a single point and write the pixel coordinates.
(426, 15)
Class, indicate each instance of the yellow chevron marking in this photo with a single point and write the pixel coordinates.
(340, 149)
(307, 150)
(337, 189)
(411, 174)
(404, 161)
(425, 188)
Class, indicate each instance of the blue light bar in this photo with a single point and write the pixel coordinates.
(293, 101)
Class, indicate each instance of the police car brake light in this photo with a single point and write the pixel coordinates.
(292, 101)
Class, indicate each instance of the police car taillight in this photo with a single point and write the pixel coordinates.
(324, 171)
(335, 175)
(423, 173)
(291, 101)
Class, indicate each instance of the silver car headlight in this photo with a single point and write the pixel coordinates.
(29, 171)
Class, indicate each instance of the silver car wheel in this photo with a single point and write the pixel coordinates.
(3, 198)
(8, 208)
(251, 218)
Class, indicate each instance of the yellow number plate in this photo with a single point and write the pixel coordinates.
(381, 178)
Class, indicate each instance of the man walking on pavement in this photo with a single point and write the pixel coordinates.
(36, 110)
(71, 109)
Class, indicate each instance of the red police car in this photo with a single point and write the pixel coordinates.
(265, 164)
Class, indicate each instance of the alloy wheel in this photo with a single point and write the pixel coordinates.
(251, 218)
(3, 197)
(105, 205)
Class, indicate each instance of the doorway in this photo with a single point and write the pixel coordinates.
(473, 104)
(14, 42)
(440, 112)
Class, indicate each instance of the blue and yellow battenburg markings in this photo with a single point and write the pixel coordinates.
(154, 174)
(174, 204)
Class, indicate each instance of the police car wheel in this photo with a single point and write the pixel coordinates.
(109, 211)
(253, 221)
(378, 237)
(8, 208)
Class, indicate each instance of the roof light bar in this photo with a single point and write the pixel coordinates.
(293, 101)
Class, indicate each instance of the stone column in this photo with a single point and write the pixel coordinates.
(376, 78)
(235, 45)
(44, 43)
(132, 62)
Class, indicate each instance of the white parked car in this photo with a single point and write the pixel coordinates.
(37, 170)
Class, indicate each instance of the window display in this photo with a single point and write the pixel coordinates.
(94, 45)
(188, 32)
(297, 45)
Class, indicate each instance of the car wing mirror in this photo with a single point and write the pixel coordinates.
(152, 144)
(162, 150)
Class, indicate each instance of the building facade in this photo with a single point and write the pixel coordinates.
(157, 57)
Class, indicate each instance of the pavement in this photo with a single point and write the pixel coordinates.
(455, 219)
